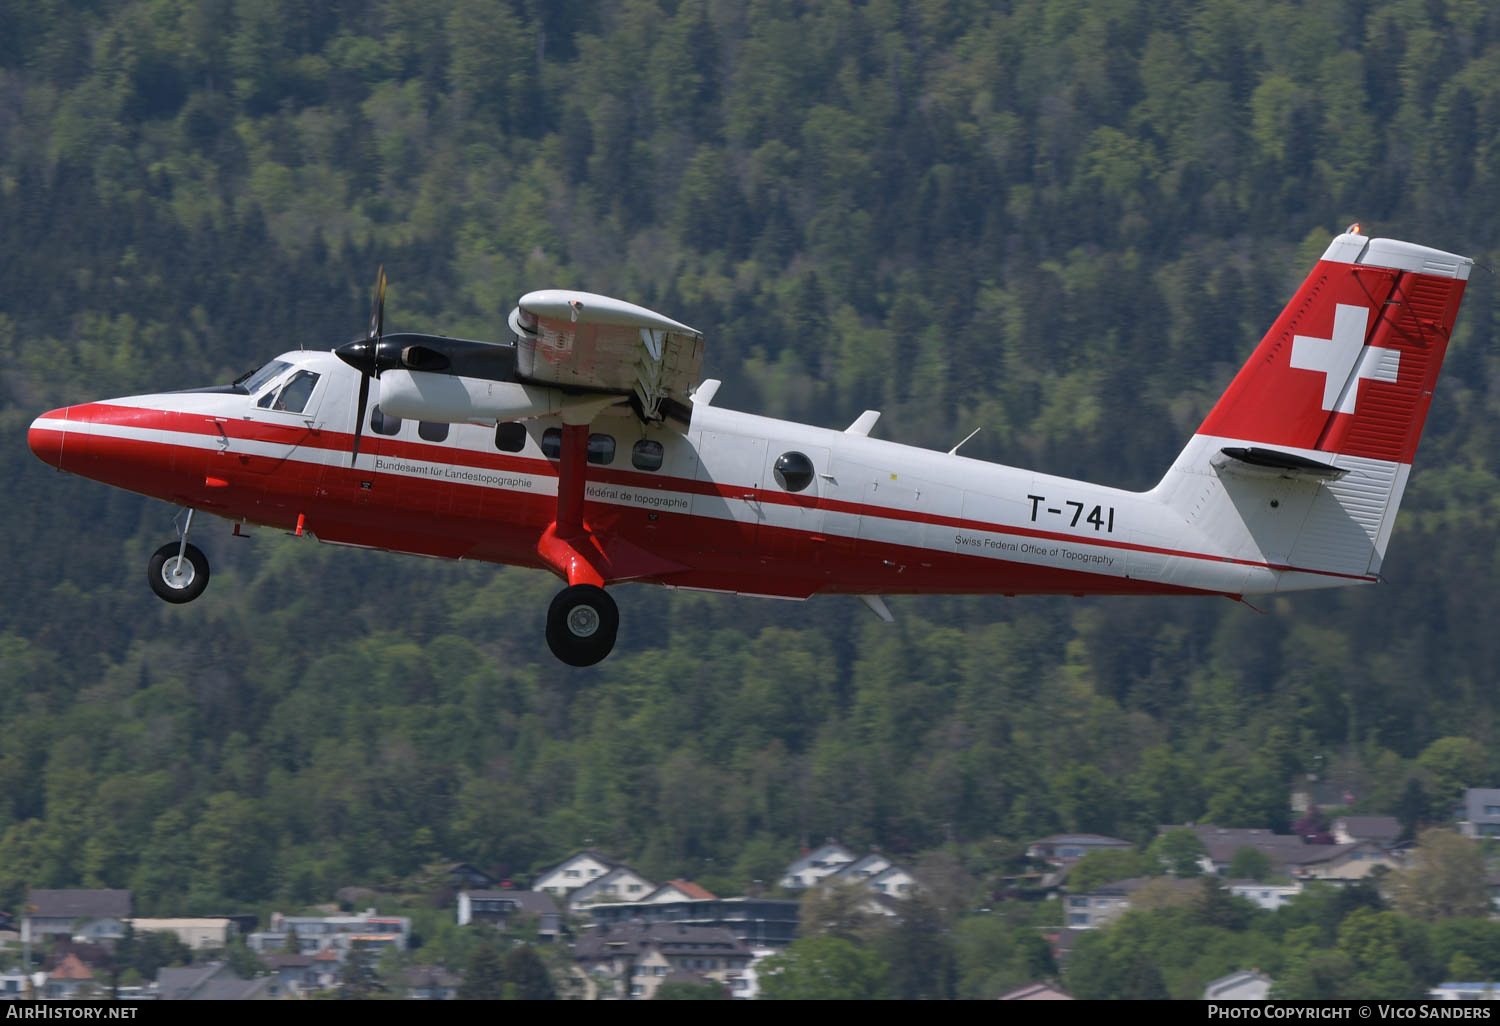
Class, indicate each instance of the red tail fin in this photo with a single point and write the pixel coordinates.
(1350, 364)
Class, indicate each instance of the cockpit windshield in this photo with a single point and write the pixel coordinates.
(254, 382)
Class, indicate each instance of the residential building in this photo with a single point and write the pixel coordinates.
(893, 881)
(199, 934)
(1343, 862)
(71, 980)
(1381, 829)
(468, 876)
(214, 982)
(619, 884)
(300, 975)
(757, 922)
(572, 873)
(1065, 849)
(1245, 985)
(92, 914)
(13, 986)
(1481, 812)
(815, 865)
(632, 961)
(1265, 895)
(865, 868)
(678, 890)
(1036, 992)
(336, 934)
(1109, 901)
(501, 908)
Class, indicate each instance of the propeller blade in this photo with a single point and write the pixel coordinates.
(377, 313)
(359, 418)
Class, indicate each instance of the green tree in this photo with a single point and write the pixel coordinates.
(524, 971)
(484, 975)
(1445, 878)
(824, 969)
(1179, 851)
(1109, 865)
(1249, 864)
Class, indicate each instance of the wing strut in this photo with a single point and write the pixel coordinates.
(571, 548)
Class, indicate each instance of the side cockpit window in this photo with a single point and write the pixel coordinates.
(291, 397)
(256, 380)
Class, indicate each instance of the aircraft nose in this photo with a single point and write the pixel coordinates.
(46, 436)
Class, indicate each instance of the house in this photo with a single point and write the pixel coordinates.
(467, 876)
(677, 890)
(1465, 992)
(199, 934)
(757, 922)
(214, 982)
(871, 865)
(1265, 895)
(429, 983)
(893, 881)
(336, 934)
(71, 980)
(500, 909)
(1222, 843)
(1342, 862)
(1065, 849)
(619, 884)
(573, 872)
(1245, 985)
(632, 961)
(93, 915)
(815, 865)
(1481, 812)
(13, 986)
(299, 974)
(1109, 901)
(1036, 992)
(1381, 829)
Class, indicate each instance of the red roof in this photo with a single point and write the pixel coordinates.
(71, 968)
(692, 890)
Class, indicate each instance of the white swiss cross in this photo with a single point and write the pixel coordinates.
(1335, 358)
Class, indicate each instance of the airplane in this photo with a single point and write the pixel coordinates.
(583, 447)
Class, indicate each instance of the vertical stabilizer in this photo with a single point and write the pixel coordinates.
(1303, 461)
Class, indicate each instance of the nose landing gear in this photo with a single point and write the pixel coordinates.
(581, 624)
(178, 572)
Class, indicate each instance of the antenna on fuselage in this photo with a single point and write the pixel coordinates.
(954, 451)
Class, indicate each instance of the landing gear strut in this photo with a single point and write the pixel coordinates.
(178, 572)
(581, 624)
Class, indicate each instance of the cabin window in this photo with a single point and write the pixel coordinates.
(432, 430)
(382, 424)
(794, 471)
(510, 436)
(646, 455)
(602, 449)
(552, 443)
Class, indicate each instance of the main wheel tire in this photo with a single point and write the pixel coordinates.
(175, 581)
(581, 624)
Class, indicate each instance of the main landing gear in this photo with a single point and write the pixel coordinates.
(581, 624)
(178, 572)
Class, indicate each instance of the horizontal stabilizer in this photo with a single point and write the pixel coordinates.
(1256, 459)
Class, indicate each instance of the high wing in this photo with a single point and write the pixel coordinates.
(581, 341)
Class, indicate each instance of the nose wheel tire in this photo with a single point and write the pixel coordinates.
(581, 625)
(178, 580)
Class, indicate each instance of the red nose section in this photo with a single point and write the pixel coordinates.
(46, 436)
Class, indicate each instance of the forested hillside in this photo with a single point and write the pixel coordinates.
(1065, 222)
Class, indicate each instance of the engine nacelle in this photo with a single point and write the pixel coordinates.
(423, 395)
